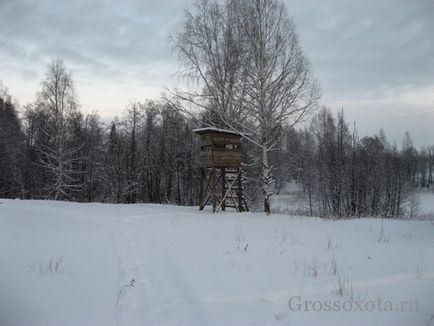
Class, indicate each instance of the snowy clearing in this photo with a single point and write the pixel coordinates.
(425, 205)
(68, 263)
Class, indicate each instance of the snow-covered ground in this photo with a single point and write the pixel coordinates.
(425, 205)
(67, 264)
(290, 200)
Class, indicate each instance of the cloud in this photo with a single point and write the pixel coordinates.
(358, 45)
(98, 38)
(375, 59)
(370, 56)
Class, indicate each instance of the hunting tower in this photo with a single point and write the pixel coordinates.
(220, 170)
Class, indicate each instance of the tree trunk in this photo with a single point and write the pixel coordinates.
(265, 175)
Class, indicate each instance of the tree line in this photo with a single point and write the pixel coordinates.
(344, 175)
(53, 151)
(150, 155)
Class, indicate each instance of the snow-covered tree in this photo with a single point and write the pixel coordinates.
(57, 100)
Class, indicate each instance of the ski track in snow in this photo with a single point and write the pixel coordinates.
(161, 295)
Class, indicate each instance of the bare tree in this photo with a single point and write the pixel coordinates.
(280, 86)
(58, 100)
(255, 75)
(93, 165)
(114, 164)
(131, 123)
(209, 47)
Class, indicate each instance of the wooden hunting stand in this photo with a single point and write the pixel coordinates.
(220, 170)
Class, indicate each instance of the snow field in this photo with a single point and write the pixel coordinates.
(199, 268)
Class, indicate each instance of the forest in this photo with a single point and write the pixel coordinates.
(252, 75)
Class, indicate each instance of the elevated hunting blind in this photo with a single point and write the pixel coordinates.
(221, 180)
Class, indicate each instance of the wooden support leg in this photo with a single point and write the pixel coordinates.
(223, 204)
(201, 192)
(213, 190)
(240, 191)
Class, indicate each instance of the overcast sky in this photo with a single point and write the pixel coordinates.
(374, 58)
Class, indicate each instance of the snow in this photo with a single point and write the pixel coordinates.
(199, 268)
(426, 205)
(214, 129)
(290, 200)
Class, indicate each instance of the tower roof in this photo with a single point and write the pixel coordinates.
(208, 130)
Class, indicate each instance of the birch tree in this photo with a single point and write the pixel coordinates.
(58, 100)
(210, 47)
(280, 86)
(93, 149)
(131, 123)
(255, 77)
(114, 164)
